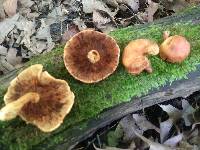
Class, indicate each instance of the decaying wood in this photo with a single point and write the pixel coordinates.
(180, 88)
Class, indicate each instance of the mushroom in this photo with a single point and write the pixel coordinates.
(38, 98)
(91, 56)
(135, 55)
(174, 49)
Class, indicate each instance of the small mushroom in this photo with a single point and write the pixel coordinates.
(91, 56)
(135, 55)
(38, 98)
(174, 49)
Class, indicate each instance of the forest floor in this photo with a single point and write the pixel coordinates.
(30, 28)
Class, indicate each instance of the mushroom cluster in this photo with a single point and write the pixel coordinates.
(174, 49)
(38, 98)
(91, 56)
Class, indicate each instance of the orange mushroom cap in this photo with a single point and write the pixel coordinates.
(38, 98)
(91, 56)
(174, 49)
(135, 55)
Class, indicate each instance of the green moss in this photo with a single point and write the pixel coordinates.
(91, 99)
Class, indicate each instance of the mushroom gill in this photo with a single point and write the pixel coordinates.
(91, 56)
(38, 98)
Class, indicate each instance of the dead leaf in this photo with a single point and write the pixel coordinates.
(151, 9)
(165, 128)
(185, 113)
(10, 7)
(99, 20)
(111, 2)
(24, 9)
(143, 123)
(153, 145)
(3, 50)
(90, 5)
(173, 112)
(6, 26)
(57, 15)
(172, 142)
(71, 31)
(80, 23)
(133, 4)
(2, 13)
(5, 65)
(26, 3)
(44, 31)
(188, 110)
(12, 57)
(129, 126)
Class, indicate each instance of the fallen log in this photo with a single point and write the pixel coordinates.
(118, 88)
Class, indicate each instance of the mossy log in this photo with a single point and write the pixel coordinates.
(92, 99)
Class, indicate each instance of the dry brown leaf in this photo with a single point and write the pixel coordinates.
(12, 57)
(71, 31)
(90, 5)
(10, 7)
(6, 26)
(24, 8)
(134, 4)
(143, 123)
(3, 50)
(100, 20)
(153, 145)
(26, 3)
(111, 2)
(80, 23)
(153, 7)
(5, 65)
(2, 13)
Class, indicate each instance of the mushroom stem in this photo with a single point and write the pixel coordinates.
(166, 34)
(93, 56)
(12, 109)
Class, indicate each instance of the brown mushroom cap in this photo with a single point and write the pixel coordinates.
(91, 56)
(175, 49)
(55, 98)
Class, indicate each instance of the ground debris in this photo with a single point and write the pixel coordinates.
(35, 27)
(174, 131)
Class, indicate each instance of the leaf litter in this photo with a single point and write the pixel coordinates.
(36, 27)
(177, 128)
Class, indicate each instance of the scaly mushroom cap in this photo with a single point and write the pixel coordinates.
(91, 56)
(55, 98)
